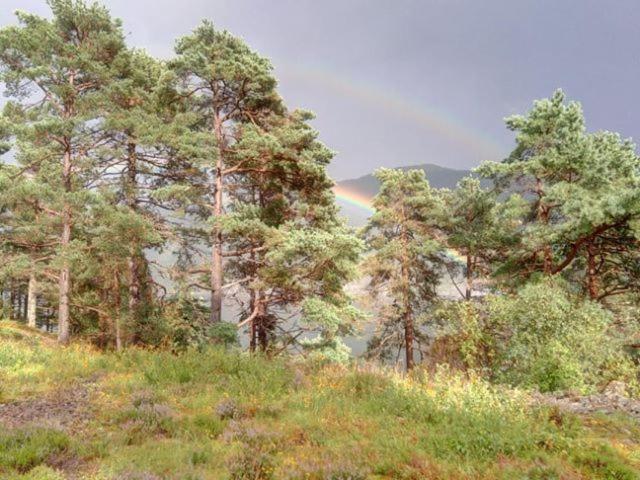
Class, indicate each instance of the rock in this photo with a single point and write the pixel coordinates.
(613, 399)
(228, 408)
(616, 389)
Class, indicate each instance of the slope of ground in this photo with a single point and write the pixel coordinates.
(76, 413)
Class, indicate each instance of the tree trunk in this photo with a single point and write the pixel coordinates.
(216, 279)
(592, 274)
(216, 251)
(133, 261)
(65, 239)
(32, 298)
(264, 324)
(408, 339)
(253, 335)
(21, 302)
(134, 285)
(25, 302)
(5, 302)
(64, 286)
(409, 333)
(12, 300)
(117, 309)
(20, 296)
(469, 277)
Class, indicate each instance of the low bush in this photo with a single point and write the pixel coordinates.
(255, 459)
(556, 341)
(543, 337)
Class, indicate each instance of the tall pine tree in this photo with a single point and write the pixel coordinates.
(224, 83)
(55, 70)
(406, 257)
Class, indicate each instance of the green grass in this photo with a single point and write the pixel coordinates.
(219, 414)
(22, 450)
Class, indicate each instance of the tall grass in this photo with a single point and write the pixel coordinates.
(225, 414)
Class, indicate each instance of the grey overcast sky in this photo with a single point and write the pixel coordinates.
(405, 82)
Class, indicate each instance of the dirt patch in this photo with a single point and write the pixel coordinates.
(67, 409)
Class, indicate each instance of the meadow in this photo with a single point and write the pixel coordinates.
(215, 413)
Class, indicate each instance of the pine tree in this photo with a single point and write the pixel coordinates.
(293, 254)
(27, 236)
(143, 161)
(406, 257)
(55, 71)
(600, 209)
(478, 226)
(580, 188)
(224, 83)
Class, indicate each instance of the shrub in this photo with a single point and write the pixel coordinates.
(148, 417)
(228, 408)
(325, 467)
(604, 463)
(326, 349)
(543, 337)
(258, 447)
(223, 333)
(474, 419)
(554, 340)
(461, 339)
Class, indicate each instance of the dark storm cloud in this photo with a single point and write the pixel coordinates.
(405, 82)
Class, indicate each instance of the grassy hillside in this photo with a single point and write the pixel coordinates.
(80, 413)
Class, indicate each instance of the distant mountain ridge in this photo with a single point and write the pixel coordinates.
(367, 186)
(439, 177)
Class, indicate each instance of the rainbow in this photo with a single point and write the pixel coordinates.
(352, 198)
(431, 119)
(358, 200)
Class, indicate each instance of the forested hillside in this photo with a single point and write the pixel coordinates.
(177, 281)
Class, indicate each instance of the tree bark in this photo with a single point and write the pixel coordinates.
(408, 339)
(253, 335)
(216, 251)
(409, 333)
(117, 305)
(22, 303)
(592, 274)
(133, 261)
(3, 301)
(64, 286)
(469, 277)
(32, 292)
(264, 323)
(12, 300)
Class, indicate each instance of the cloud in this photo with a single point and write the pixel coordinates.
(473, 61)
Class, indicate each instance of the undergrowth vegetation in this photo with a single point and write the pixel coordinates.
(224, 414)
(542, 337)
